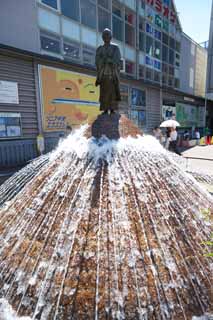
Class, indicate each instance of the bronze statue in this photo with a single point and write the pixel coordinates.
(108, 62)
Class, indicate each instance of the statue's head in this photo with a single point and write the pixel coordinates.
(107, 35)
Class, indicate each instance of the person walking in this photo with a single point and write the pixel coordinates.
(158, 134)
(197, 136)
(173, 141)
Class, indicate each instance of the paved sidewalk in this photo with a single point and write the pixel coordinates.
(202, 158)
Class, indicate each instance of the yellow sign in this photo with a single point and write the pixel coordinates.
(68, 98)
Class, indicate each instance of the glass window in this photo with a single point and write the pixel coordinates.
(157, 50)
(88, 56)
(51, 3)
(165, 38)
(71, 50)
(117, 28)
(141, 72)
(70, 9)
(103, 20)
(171, 56)
(171, 71)
(149, 28)
(141, 117)
(141, 24)
(129, 67)
(172, 43)
(165, 53)
(158, 20)
(164, 79)
(124, 93)
(141, 41)
(149, 74)
(129, 17)
(157, 65)
(10, 124)
(165, 68)
(177, 46)
(156, 76)
(166, 25)
(177, 83)
(149, 45)
(50, 44)
(171, 81)
(117, 10)
(138, 97)
(88, 13)
(129, 35)
(104, 3)
(157, 34)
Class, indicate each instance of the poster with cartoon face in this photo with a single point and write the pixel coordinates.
(68, 98)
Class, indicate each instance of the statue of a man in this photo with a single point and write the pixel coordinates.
(108, 62)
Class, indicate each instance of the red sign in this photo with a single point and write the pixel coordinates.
(165, 10)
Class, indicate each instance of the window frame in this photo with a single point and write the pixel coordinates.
(51, 8)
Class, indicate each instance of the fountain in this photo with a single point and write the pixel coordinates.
(109, 227)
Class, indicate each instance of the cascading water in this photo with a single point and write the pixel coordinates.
(108, 229)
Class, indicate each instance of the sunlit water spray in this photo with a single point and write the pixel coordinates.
(106, 229)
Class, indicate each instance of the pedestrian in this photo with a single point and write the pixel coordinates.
(173, 141)
(168, 131)
(158, 134)
(197, 136)
(186, 135)
(68, 130)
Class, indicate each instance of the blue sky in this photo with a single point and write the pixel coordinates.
(195, 18)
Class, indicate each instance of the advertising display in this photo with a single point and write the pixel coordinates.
(138, 98)
(10, 124)
(9, 92)
(168, 112)
(68, 98)
(190, 115)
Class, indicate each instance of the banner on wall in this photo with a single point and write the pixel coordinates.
(68, 98)
(190, 115)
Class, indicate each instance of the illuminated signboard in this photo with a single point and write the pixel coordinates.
(163, 7)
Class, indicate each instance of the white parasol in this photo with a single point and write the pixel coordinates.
(170, 124)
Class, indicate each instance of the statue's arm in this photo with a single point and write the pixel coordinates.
(117, 57)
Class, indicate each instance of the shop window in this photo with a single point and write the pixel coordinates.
(177, 83)
(177, 46)
(172, 43)
(141, 24)
(156, 76)
(138, 97)
(171, 56)
(117, 27)
(88, 13)
(129, 35)
(50, 44)
(51, 3)
(71, 50)
(88, 56)
(104, 3)
(141, 72)
(142, 41)
(70, 9)
(165, 53)
(149, 45)
(165, 38)
(130, 67)
(149, 74)
(103, 20)
(157, 50)
(129, 17)
(10, 124)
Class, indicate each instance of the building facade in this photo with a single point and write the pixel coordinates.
(48, 42)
